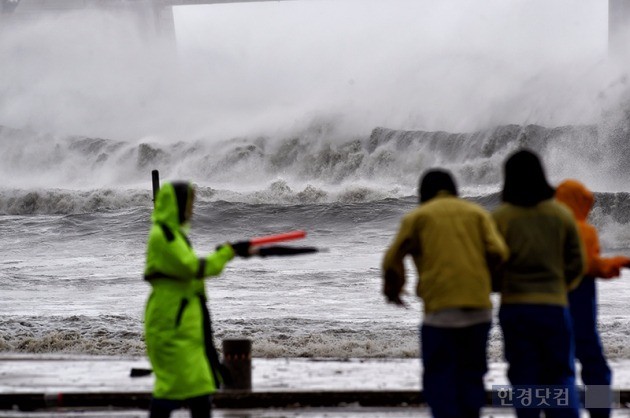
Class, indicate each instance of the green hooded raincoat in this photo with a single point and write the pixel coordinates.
(173, 322)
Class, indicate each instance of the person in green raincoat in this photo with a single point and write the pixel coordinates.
(176, 321)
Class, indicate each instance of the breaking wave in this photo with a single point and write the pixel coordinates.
(118, 335)
(316, 165)
(610, 214)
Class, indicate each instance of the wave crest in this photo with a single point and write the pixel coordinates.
(63, 202)
(318, 157)
(123, 336)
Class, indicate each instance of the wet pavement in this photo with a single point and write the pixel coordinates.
(343, 388)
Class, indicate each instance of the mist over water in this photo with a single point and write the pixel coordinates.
(454, 66)
(274, 68)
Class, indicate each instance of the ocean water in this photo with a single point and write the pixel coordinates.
(73, 250)
(286, 116)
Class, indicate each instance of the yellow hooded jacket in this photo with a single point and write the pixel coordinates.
(451, 241)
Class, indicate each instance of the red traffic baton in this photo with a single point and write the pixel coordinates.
(270, 239)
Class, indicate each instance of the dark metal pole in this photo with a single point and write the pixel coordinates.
(237, 358)
(155, 176)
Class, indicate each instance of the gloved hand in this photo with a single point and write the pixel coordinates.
(241, 248)
(622, 261)
(610, 267)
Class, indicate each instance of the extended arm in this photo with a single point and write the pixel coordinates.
(393, 266)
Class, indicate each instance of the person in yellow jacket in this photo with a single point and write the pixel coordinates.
(546, 261)
(454, 244)
(595, 372)
(176, 320)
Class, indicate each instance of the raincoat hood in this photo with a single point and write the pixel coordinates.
(171, 203)
(577, 197)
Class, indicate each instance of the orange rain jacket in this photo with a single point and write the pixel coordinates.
(580, 200)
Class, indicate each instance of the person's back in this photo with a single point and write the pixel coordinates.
(451, 242)
(447, 238)
(539, 271)
(546, 260)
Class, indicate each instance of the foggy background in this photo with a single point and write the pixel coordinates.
(272, 68)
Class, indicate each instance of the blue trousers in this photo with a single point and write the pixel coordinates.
(539, 349)
(454, 362)
(588, 346)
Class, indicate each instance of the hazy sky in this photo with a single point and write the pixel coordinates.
(269, 68)
(453, 64)
(477, 24)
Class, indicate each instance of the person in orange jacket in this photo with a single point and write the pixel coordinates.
(583, 299)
